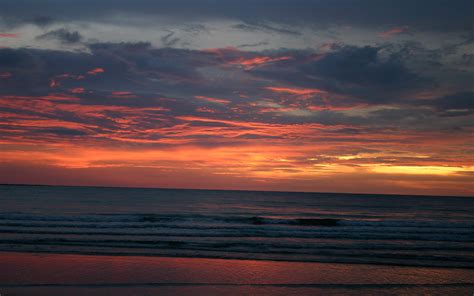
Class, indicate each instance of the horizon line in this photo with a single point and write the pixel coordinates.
(243, 190)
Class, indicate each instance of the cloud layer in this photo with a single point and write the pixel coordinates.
(377, 103)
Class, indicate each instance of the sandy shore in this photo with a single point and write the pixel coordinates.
(53, 274)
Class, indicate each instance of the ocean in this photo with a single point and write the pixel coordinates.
(423, 231)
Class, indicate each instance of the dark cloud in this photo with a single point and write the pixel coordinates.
(365, 73)
(172, 79)
(130, 66)
(258, 26)
(43, 21)
(13, 58)
(463, 100)
(127, 46)
(245, 45)
(458, 104)
(169, 40)
(423, 14)
(195, 29)
(64, 132)
(362, 66)
(63, 35)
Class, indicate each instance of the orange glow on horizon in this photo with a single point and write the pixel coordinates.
(225, 151)
(261, 163)
(422, 170)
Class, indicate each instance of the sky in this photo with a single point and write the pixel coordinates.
(364, 96)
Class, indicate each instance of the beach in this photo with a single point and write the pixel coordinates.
(60, 274)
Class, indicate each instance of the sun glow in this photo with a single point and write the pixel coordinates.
(422, 170)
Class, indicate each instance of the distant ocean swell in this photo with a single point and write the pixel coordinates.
(400, 242)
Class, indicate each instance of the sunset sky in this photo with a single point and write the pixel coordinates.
(326, 96)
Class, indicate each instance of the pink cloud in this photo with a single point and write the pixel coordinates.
(213, 100)
(393, 31)
(8, 35)
(96, 71)
(296, 91)
(123, 95)
(5, 75)
(251, 63)
(77, 90)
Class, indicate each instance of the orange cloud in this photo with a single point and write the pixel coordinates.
(77, 90)
(213, 100)
(250, 63)
(56, 80)
(334, 108)
(123, 95)
(142, 141)
(96, 71)
(206, 110)
(50, 106)
(53, 83)
(296, 91)
(393, 31)
(276, 165)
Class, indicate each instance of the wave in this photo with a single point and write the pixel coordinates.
(352, 234)
(249, 220)
(267, 237)
(153, 218)
(248, 244)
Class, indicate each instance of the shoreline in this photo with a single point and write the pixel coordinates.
(236, 258)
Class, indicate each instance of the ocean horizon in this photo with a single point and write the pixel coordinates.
(238, 190)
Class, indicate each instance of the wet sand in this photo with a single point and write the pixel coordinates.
(58, 274)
